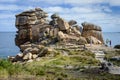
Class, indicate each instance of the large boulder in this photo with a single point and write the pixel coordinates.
(90, 26)
(72, 22)
(26, 24)
(90, 29)
(62, 24)
(61, 36)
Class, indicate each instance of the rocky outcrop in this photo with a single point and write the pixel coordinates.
(26, 24)
(36, 34)
(34, 28)
(92, 30)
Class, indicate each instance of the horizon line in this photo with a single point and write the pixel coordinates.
(15, 31)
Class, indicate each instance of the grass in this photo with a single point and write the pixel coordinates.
(54, 68)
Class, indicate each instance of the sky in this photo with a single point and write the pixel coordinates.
(105, 13)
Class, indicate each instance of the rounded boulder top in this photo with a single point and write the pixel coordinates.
(91, 26)
(38, 9)
(55, 15)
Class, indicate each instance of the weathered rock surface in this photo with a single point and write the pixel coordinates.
(36, 34)
(25, 22)
(92, 30)
(93, 40)
(63, 25)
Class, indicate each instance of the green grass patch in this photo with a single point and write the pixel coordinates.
(52, 68)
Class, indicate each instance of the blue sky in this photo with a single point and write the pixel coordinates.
(105, 13)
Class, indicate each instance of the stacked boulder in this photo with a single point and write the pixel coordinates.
(92, 33)
(63, 30)
(25, 22)
(35, 34)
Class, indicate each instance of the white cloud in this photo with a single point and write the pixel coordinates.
(7, 16)
(114, 2)
(8, 7)
(84, 2)
(71, 2)
(80, 10)
(8, 0)
(77, 2)
(73, 10)
(105, 8)
(50, 2)
(95, 15)
(56, 9)
(13, 7)
(91, 2)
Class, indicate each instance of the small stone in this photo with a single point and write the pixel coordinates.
(28, 56)
(23, 47)
(38, 59)
(34, 56)
(20, 54)
(27, 50)
(29, 61)
(34, 50)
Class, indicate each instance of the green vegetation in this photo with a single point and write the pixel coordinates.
(70, 67)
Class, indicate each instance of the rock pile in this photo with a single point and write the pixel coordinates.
(35, 33)
(31, 52)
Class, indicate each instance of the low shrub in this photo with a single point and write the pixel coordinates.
(117, 46)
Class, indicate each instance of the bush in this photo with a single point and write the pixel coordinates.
(117, 46)
(5, 63)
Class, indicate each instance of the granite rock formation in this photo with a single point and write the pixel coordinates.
(90, 29)
(26, 24)
(36, 35)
